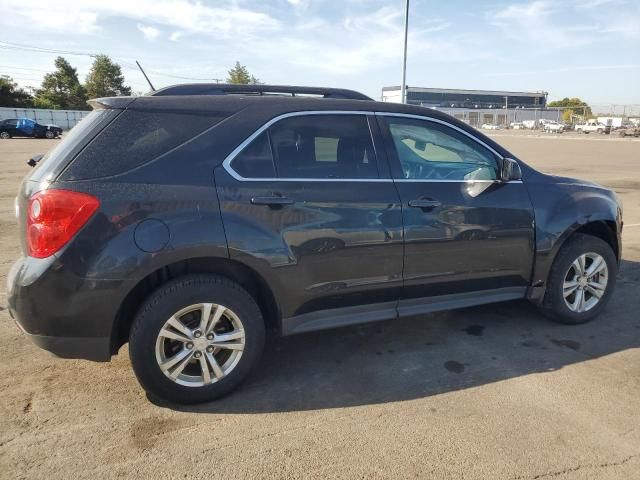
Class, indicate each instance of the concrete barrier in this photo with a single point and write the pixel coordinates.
(66, 119)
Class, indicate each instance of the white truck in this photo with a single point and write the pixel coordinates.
(553, 127)
(592, 126)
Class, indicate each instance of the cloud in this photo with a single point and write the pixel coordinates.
(361, 42)
(576, 68)
(227, 19)
(150, 33)
(55, 20)
(175, 36)
(540, 24)
(546, 24)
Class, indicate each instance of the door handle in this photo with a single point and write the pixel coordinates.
(425, 204)
(273, 201)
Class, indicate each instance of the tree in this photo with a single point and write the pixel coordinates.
(61, 89)
(240, 75)
(11, 95)
(567, 115)
(105, 79)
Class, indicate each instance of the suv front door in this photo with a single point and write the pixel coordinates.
(467, 235)
(308, 204)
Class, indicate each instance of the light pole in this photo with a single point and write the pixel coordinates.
(404, 59)
(506, 110)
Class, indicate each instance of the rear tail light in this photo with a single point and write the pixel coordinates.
(54, 217)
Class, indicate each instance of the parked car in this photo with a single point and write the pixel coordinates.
(230, 210)
(553, 127)
(592, 126)
(25, 127)
(530, 124)
(517, 125)
(490, 126)
(629, 132)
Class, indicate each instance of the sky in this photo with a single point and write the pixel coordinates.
(582, 48)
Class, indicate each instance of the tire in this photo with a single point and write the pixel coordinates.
(147, 347)
(600, 131)
(5, 135)
(49, 135)
(555, 305)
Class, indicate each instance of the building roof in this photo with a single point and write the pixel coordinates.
(469, 92)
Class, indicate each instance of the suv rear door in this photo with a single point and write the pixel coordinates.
(464, 232)
(308, 203)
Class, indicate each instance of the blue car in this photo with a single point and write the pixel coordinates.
(25, 127)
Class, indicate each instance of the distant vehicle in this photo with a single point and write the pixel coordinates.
(530, 124)
(517, 125)
(592, 126)
(625, 124)
(25, 127)
(553, 127)
(629, 132)
(490, 126)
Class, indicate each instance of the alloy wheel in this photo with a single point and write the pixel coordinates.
(585, 282)
(200, 344)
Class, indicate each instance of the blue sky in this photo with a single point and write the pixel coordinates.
(585, 48)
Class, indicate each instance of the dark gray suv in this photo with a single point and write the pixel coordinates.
(190, 222)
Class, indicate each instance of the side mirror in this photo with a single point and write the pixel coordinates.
(510, 170)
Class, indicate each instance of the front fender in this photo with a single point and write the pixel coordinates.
(561, 209)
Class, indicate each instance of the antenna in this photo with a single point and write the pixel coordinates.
(145, 76)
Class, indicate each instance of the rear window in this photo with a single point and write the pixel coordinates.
(135, 138)
(72, 142)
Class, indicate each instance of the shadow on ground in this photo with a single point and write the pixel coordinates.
(428, 355)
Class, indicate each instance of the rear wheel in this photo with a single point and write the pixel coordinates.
(5, 135)
(581, 281)
(196, 339)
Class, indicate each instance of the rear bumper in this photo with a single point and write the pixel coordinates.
(87, 348)
(67, 315)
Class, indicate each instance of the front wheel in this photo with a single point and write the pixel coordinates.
(49, 135)
(196, 338)
(581, 281)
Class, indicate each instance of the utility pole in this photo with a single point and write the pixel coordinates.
(404, 60)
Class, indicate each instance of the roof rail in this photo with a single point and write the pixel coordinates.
(235, 89)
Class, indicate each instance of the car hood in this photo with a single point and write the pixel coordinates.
(574, 181)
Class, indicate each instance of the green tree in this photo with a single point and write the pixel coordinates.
(568, 114)
(13, 96)
(240, 75)
(105, 79)
(61, 89)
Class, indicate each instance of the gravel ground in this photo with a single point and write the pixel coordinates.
(490, 392)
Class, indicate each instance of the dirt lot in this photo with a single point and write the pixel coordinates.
(493, 392)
